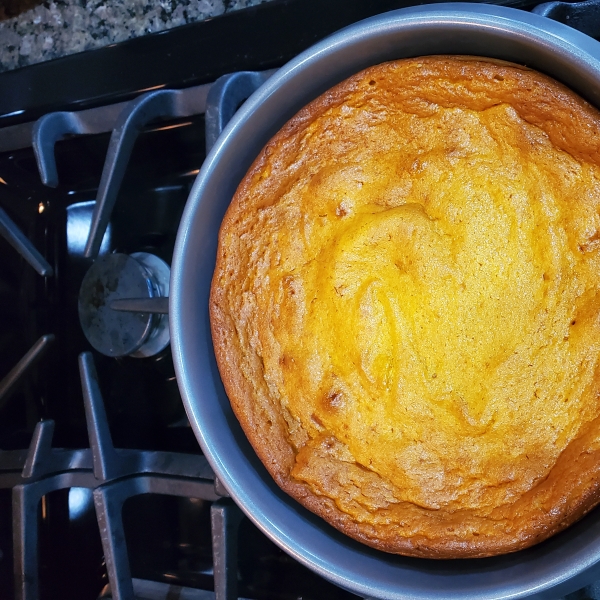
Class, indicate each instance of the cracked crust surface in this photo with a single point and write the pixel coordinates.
(405, 307)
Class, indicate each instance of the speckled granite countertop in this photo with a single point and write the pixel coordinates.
(55, 29)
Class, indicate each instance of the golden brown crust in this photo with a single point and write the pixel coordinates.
(405, 307)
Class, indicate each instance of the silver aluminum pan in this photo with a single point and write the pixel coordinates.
(560, 565)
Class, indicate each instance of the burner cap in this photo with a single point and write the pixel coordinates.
(113, 277)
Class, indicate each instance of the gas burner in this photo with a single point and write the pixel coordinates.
(123, 301)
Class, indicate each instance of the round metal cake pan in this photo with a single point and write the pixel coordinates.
(567, 561)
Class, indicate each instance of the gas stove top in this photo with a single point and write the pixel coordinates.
(104, 491)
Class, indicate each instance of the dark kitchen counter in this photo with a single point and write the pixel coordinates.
(41, 31)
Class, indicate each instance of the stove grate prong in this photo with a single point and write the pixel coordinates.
(109, 502)
(225, 97)
(225, 518)
(17, 239)
(153, 105)
(40, 449)
(107, 463)
(15, 375)
(40, 459)
(52, 127)
(112, 463)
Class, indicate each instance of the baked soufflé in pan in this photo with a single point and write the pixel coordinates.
(406, 309)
